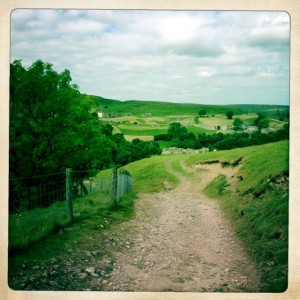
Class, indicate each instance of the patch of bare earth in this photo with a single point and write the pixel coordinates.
(181, 241)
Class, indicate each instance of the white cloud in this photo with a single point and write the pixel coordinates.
(188, 56)
(176, 30)
(82, 27)
(206, 72)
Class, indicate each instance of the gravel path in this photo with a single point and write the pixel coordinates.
(180, 241)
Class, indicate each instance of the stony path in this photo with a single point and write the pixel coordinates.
(180, 241)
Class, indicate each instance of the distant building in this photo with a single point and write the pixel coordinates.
(208, 127)
(102, 115)
(268, 130)
(114, 115)
(250, 128)
(186, 123)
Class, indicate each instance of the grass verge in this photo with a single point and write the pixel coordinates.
(150, 174)
(258, 208)
(88, 233)
(29, 227)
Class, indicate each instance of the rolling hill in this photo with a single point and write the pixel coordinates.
(161, 108)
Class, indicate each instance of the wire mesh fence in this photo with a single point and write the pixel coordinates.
(124, 183)
(89, 185)
(42, 191)
(38, 191)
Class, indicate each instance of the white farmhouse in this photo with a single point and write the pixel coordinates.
(100, 114)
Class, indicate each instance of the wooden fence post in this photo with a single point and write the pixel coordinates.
(69, 194)
(114, 186)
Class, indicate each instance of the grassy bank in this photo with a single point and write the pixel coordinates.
(258, 206)
(89, 232)
(34, 225)
(150, 174)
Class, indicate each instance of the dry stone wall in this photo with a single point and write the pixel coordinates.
(174, 150)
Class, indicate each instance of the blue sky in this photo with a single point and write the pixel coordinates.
(178, 56)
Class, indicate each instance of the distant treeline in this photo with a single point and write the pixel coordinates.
(178, 136)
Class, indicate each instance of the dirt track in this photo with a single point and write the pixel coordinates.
(180, 241)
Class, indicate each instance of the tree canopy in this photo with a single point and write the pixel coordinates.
(202, 112)
(237, 124)
(176, 130)
(229, 115)
(50, 123)
(52, 127)
(181, 138)
(261, 122)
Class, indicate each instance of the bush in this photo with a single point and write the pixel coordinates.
(162, 137)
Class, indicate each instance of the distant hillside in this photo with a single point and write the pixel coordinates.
(160, 108)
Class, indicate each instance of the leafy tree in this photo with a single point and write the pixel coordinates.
(263, 123)
(196, 119)
(163, 137)
(259, 117)
(229, 115)
(51, 127)
(237, 124)
(202, 113)
(176, 130)
(125, 152)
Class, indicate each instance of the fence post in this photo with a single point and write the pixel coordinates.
(114, 186)
(69, 194)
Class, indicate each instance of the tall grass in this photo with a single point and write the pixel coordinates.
(31, 226)
(34, 225)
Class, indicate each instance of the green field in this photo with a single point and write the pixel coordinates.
(133, 123)
(162, 109)
(134, 127)
(141, 130)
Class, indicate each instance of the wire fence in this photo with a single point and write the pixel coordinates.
(38, 191)
(124, 183)
(83, 185)
(42, 191)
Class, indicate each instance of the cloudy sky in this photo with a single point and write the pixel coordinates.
(178, 56)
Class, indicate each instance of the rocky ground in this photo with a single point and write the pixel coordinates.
(179, 240)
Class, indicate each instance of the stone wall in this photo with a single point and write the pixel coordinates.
(174, 150)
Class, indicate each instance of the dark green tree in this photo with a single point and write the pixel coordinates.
(202, 112)
(229, 115)
(237, 124)
(51, 126)
(259, 117)
(263, 123)
(176, 130)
